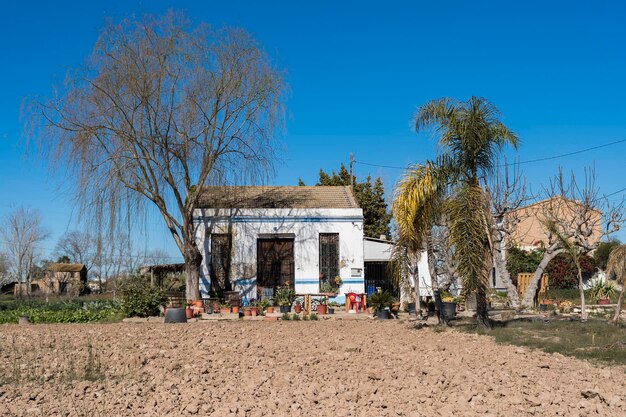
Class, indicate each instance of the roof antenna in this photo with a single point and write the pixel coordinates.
(351, 176)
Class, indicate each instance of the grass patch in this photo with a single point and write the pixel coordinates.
(66, 311)
(593, 340)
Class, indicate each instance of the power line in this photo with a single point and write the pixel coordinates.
(615, 192)
(530, 161)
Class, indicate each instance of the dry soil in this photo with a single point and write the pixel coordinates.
(325, 368)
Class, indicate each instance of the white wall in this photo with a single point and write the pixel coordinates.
(304, 225)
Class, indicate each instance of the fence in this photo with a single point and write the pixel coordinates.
(524, 279)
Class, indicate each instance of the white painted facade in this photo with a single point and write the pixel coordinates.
(304, 225)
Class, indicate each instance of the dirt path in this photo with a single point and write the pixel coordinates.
(334, 368)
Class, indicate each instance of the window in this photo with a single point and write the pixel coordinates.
(329, 257)
(220, 262)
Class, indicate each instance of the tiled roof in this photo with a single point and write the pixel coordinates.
(277, 197)
(65, 267)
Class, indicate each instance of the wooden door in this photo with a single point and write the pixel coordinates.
(275, 263)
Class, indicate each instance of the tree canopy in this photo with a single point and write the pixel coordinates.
(160, 109)
(370, 196)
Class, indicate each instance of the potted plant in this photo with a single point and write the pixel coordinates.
(266, 305)
(331, 307)
(189, 310)
(285, 297)
(449, 304)
(602, 291)
(255, 308)
(225, 308)
(380, 303)
(327, 289)
(321, 307)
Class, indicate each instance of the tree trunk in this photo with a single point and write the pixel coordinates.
(529, 295)
(416, 286)
(618, 309)
(432, 271)
(583, 305)
(499, 263)
(482, 314)
(193, 260)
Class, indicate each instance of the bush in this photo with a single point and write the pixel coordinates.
(69, 311)
(140, 299)
(563, 274)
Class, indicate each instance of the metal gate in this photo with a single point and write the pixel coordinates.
(377, 276)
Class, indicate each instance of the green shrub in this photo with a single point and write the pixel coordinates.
(286, 316)
(313, 316)
(563, 274)
(140, 299)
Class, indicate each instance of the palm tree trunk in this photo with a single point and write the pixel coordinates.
(618, 309)
(482, 313)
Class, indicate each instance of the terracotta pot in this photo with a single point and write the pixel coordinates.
(603, 301)
(253, 311)
(321, 309)
(188, 313)
(224, 310)
(216, 307)
(297, 308)
(247, 311)
(235, 309)
(198, 303)
(269, 310)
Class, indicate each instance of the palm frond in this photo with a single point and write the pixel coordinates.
(416, 201)
(466, 226)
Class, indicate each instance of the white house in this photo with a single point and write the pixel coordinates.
(255, 239)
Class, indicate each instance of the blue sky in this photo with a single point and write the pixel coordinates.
(357, 71)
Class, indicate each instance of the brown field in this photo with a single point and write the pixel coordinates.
(327, 368)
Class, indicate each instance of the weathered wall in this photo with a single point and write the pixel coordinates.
(304, 225)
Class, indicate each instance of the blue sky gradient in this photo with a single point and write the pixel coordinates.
(357, 71)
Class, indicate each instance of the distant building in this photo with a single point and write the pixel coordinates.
(59, 279)
(531, 233)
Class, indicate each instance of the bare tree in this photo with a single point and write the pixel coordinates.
(78, 246)
(159, 110)
(574, 213)
(507, 193)
(156, 257)
(5, 276)
(22, 233)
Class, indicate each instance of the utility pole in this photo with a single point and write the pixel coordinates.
(351, 176)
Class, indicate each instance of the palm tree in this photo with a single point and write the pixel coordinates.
(616, 265)
(452, 187)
